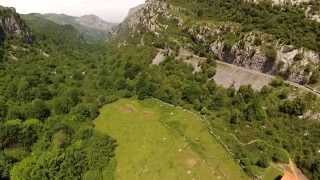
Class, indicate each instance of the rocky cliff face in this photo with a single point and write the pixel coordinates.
(258, 51)
(311, 7)
(295, 64)
(11, 24)
(143, 17)
(254, 50)
(284, 2)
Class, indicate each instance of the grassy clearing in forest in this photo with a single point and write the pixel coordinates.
(158, 141)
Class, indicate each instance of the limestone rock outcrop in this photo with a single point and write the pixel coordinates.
(253, 50)
(11, 24)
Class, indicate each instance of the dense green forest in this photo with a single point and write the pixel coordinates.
(51, 94)
(48, 100)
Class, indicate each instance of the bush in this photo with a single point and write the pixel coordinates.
(294, 108)
(16, 112)
(263, 162)
(270, 53)
(277, 82)
(3, 110)
(298, 57)
(86, 111)
(315, 77)
(255, 112)
(10, 133)
(5, 166)
(236, 116)
(40, 110)
(74, 96)
(62, 105)
(246, 93)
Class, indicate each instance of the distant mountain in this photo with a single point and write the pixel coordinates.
(95, 22)
(91, 27)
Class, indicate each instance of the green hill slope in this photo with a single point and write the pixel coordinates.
(51, 90)
(158, 141)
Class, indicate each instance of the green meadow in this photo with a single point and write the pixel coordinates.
(159, 141)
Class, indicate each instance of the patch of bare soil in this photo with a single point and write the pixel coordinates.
(291, 172)
(191, 162)
(188, 159)
(148, 114)
(127, 109)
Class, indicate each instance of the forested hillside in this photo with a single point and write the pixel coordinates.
(48, 99)
(53, 83)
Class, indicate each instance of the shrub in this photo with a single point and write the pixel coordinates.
(277, 82)
(235, 117)
(86, 111)
(294, 107)
(40, 110)
(263, 162)
(255, 112)
(3, 110)
(298, 57)
(315, 77)
(270, 52)
(62, 105)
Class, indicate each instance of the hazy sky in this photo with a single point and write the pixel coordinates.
(110, 10)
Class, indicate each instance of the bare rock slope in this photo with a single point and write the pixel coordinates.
(254, 50)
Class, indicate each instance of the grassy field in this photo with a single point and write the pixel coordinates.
(157, 141)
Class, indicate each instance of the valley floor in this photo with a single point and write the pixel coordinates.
(159, 141)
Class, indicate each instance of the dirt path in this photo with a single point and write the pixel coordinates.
(291, 172)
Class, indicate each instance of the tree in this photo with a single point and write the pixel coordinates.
(30, 132)
(145, 86)
(10, 133)
(23, 91)
(191, 92)
(277, 82)
(6, 164)
(86, 111)
(43, 93)
(3, 110)
(255, 112)
(62, 105)
(315, 77)
(40, 110)
(263, 162)
(16, 112)
(246, 93)
(294, 107)
(235, 117)
(270, 53)
(74, 96)
(211, 72)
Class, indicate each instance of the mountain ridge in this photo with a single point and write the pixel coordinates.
(52, 89)
(91, 26)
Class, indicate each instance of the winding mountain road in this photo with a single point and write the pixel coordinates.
(229, 74)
